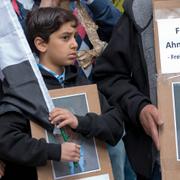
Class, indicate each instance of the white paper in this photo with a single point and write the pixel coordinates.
(169, 44)
(100, 177)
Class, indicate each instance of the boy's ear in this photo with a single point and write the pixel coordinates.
(40, 44)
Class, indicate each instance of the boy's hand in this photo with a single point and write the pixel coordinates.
(62, 117)
(70, 152)
(2, 168)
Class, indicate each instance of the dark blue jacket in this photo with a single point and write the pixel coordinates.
(105, 15)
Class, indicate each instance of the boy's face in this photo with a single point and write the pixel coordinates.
(61, 49)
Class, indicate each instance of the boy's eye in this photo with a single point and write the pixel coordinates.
(75, 35)
(65, 38)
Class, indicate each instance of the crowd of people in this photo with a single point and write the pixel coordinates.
(116, 53)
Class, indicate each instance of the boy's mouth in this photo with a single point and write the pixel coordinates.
(73, 55)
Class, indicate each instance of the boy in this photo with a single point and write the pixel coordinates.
(51, 34)
(54, 42)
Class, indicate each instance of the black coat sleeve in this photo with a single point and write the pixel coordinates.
(113, 71)
(17, 145)
(108, 126)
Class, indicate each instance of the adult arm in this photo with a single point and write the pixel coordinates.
(113, 72)
(105, 16)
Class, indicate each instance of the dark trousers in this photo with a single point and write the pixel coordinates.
(155, 176)
(16, 172)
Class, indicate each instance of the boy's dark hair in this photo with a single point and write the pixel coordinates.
(43, 22)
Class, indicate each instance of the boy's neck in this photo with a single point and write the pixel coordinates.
(57, 69)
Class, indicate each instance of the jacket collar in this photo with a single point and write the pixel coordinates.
(140, 12)
(71, 72)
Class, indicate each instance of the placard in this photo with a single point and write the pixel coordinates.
(167, 15)
(94, 159)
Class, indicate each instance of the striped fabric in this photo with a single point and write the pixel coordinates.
(60, 77)
(24, 88)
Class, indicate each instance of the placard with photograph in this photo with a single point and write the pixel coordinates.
(94, 160)
(167, 16)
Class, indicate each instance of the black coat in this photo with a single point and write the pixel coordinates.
(121, 74)
(1, 91)
(91, 125)
(21, 153)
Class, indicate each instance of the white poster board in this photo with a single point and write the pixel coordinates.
(169, 45)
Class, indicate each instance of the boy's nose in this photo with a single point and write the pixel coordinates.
(73, 44)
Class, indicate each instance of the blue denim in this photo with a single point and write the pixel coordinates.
(118, 157)
(120, 164)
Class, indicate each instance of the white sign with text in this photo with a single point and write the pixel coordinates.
(169, 44)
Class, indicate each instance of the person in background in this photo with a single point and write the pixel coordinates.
(119, 5)
(126, 74)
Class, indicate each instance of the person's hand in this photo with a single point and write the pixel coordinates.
(70, 152)
(2, 168)
(49, 3)
(150, 120)
(62, 117)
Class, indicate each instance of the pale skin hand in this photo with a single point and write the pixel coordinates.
(70, 152)
(150, 120)
(62, 117)
(2, 168)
